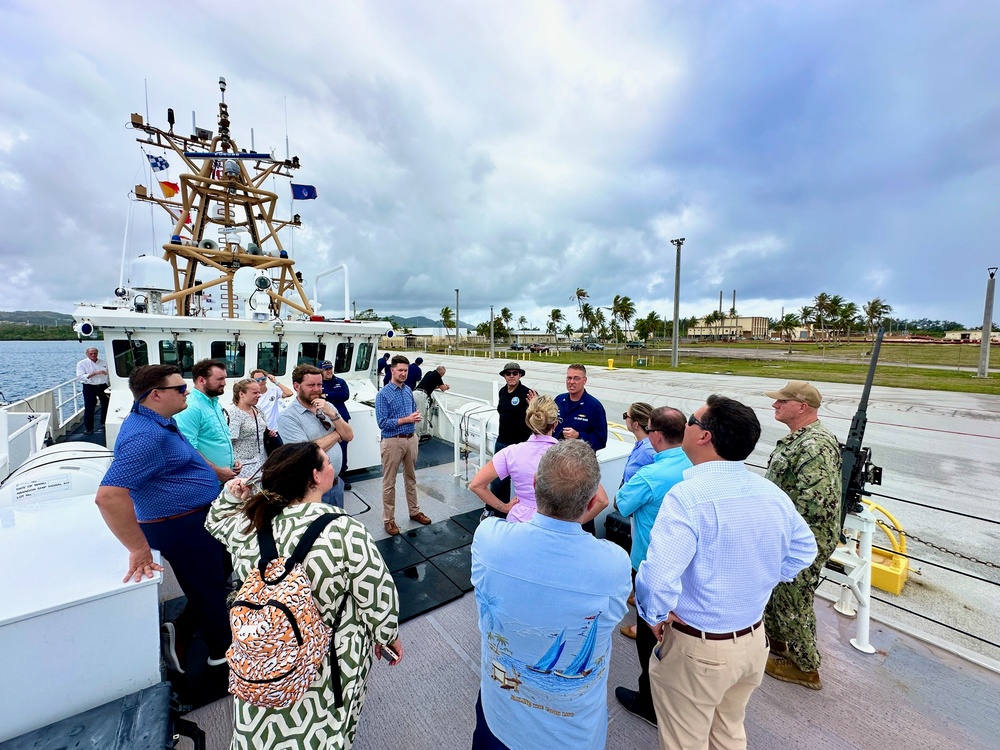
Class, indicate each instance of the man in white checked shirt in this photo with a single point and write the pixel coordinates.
(724, 537)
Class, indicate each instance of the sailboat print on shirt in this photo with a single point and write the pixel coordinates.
(580, 666)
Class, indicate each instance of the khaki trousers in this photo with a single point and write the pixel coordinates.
(396, 451)
(701, 688)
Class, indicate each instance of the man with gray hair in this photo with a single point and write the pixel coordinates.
(549, 598)
(92, 373)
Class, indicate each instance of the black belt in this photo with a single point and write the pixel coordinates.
(179, 515)
(695, 633)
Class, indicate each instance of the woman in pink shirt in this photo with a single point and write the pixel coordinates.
(519, 462)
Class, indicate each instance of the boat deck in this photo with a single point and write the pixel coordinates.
(909, 694)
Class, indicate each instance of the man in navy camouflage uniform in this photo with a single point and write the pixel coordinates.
(806, 464)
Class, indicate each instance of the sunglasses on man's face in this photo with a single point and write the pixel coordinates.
(692, 421)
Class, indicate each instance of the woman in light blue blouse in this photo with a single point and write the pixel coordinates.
(637, 420)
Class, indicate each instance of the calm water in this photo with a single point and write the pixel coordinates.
(27, 367)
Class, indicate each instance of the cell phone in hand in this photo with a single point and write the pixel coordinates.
(389, 655)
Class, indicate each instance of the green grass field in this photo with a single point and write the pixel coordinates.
(900, 365)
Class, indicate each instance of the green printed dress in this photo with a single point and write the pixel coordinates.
(343, 560)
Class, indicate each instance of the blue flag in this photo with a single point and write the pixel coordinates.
(303, 192)
(158, 163)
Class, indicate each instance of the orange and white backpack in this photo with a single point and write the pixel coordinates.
(279, 637)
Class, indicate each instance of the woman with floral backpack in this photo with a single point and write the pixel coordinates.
(322, 605)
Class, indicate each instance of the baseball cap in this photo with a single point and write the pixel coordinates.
(512, 367)
(797, 390)
(326, 365)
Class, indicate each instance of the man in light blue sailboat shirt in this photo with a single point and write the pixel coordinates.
(549, 596)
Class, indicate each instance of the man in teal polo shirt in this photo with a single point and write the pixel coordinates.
(640, 499)
(204, 424)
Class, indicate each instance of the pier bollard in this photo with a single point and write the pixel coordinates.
(611, 364)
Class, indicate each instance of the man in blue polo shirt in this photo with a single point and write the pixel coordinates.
(581, 415)
(640, 498)
(156, 495)
(549, 598)
(204, 423)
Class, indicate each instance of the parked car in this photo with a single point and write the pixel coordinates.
(515, 347)
(576, 346)
(538, 348)
(593, 346)
(635, 345)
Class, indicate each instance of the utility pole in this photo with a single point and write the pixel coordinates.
(354, 304)
(677, 302)
(984, 347)
(493, 352)
(456, 321)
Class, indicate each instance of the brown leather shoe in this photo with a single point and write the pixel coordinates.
(782, 668)
(420, 518)
(391, 528)
(628, 631)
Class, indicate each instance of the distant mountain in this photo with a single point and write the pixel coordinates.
(36, 317)
(422, 321)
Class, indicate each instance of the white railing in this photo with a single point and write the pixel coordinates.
(62, 405)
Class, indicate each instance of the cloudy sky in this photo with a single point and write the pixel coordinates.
(519, 150)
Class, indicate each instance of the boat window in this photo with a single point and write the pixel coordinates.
(181, 356)
(311, 353)
(129, 355)
(232, 356)
(342, 363)
(364, 361)
(272, 357)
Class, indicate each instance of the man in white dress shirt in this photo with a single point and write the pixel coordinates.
(723, 538)
(92, 372)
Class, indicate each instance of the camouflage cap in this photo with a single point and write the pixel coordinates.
(797, 390)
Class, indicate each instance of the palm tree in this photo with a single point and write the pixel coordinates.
(522, 323)
(580, 296)
(646, 327)
(448, 321)
(555, 318)
(875, 312)
(597, 320)
(623, 308)
(506, 316)
(712, 318)
(833, 315)
(586, 317)
(821, 304)
(807, 315)
(786, 326)
(847, 318)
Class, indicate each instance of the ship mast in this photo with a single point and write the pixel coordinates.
(222, 189)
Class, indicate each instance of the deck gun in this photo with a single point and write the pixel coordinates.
(857, 460)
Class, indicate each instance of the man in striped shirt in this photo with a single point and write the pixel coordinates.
(397, 413)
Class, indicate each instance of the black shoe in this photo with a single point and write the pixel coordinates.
(424, 439)
(631, 701)
(347, 486)
(88, 432)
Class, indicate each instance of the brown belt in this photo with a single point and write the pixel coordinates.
(179, 515)
(695, 633)
(403, 437)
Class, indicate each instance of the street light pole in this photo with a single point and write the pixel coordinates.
(456, 321)
(493, 352)
(984, 347)
(677, 303)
